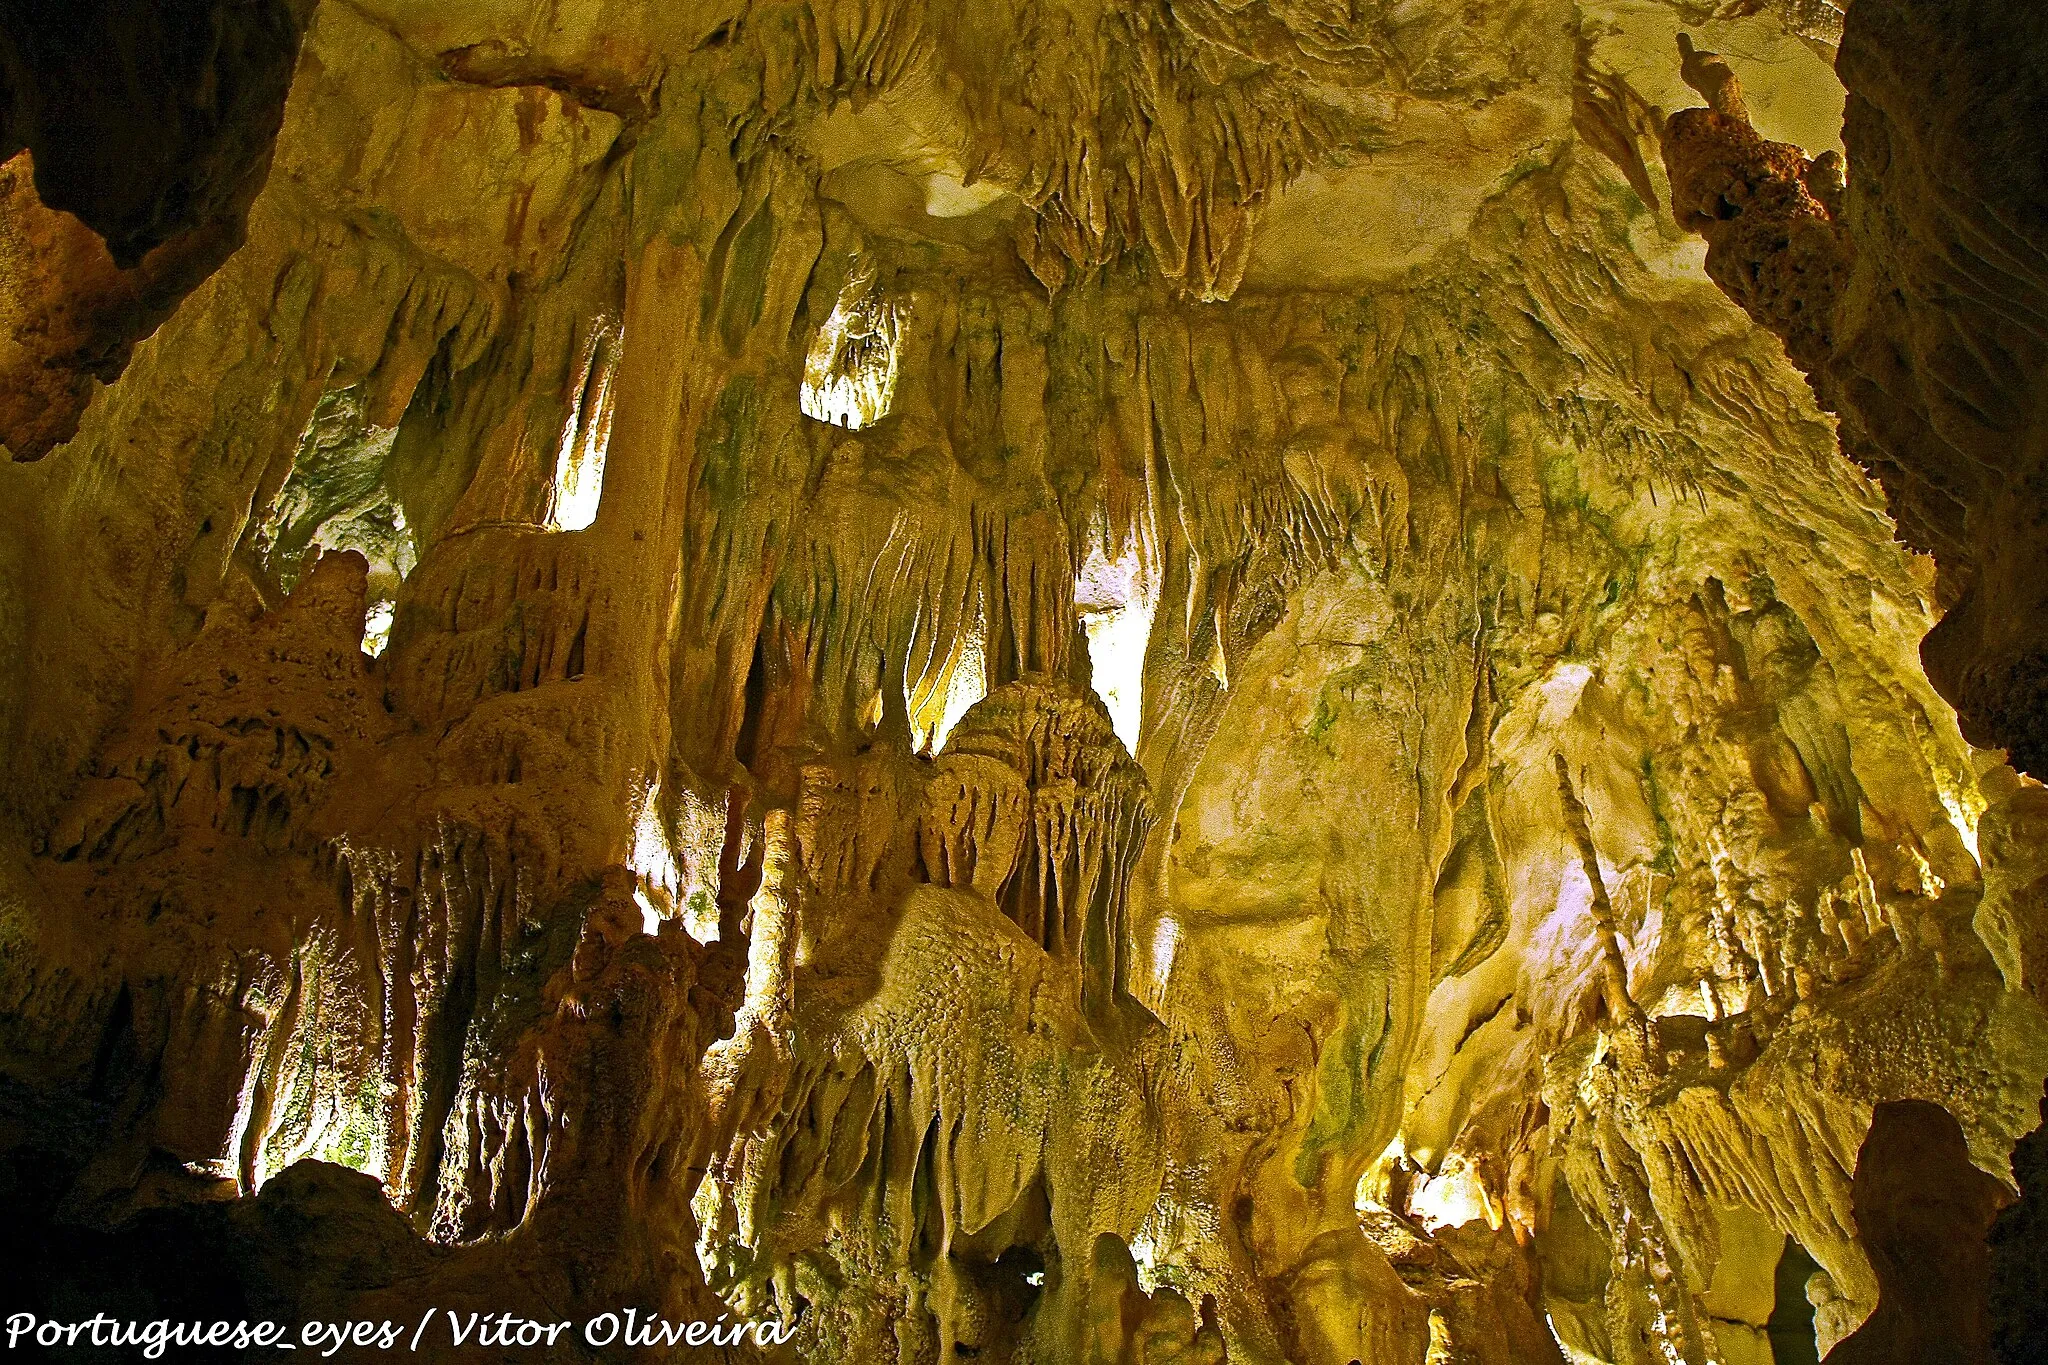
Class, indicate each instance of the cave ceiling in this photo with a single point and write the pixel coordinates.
(1229, 680)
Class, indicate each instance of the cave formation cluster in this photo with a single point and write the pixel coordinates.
(1040, 681)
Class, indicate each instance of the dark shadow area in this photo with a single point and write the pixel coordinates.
(1791, 1322)
(2019, 1257)
(1922, 1211)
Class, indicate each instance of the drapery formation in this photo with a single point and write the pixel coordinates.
(1043, 683)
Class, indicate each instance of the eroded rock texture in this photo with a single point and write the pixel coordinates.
(1036, 683)
(133, 137)
(1912, 296)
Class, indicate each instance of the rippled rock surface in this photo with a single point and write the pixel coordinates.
(1045, 683)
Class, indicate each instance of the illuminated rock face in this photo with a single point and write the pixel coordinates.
(1911, 298)
(1051, 684)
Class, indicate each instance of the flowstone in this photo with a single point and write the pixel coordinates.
(1052, 684)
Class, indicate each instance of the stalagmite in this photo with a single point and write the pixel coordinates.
(1160, 682)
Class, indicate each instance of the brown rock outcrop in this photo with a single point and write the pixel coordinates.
(146, 127)
(1923, 1211)
(1913, 298)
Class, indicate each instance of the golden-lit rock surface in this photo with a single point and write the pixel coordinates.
(1912, 297)
(1071, 684)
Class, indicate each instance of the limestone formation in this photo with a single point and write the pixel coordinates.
(146, 130)
(1912, 296)
(1053, 684)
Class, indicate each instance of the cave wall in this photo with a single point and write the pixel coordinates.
(1265, 788)
(1911, 297)
(132, 139)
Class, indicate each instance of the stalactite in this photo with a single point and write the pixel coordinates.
(1123, 684)
(1621, 1006)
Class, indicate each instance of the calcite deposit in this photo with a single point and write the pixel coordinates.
(1288, 682)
